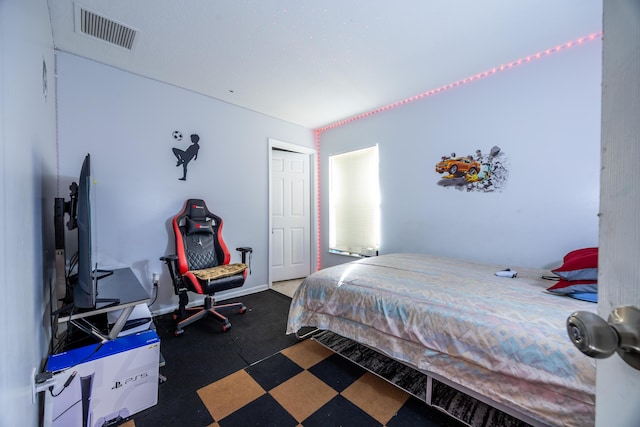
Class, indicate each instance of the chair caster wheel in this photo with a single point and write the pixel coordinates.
(243, 309)
(178, 332)
(226, 327)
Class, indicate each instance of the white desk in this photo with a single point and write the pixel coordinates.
(122, 285)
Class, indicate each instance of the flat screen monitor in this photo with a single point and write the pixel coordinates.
(82, 287)
(84, 292)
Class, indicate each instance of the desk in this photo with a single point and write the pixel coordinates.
(123, 285)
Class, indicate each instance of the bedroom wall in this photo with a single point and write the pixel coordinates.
(545, 117)
(27, 182)
(126, 123)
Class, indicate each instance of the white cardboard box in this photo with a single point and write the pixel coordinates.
(99, 385)
(139, 320)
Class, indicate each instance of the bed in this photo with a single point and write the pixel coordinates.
(501, 339)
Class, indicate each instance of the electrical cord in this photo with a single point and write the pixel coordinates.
(155, 296)
(73, 263)
(74, 373)
(66, 384)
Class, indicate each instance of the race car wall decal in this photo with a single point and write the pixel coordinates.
(479, 172)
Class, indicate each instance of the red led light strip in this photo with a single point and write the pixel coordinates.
(487, 73)
(319, 252)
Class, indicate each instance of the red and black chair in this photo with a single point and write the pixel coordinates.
(201, 265)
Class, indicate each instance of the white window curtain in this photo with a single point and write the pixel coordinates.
(354, 202)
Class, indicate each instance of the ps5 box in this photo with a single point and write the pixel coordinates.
(102, 384)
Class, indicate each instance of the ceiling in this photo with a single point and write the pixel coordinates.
(313, 63)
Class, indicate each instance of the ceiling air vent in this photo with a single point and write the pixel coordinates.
(94, 25)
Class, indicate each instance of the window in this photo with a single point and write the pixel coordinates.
(354, 203)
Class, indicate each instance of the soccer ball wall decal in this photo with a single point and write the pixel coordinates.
(177, 135)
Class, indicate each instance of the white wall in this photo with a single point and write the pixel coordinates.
(545, 116)
(126, 122)
(28, 163)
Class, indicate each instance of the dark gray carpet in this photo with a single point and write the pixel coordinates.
(204, 354)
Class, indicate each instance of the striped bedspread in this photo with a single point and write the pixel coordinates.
(503, 338)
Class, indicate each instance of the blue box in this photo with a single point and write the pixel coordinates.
(102, 384)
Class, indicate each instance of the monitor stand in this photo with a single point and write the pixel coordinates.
(104, 302)
(122, 286)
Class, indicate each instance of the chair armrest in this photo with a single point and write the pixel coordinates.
(172, 265)
(244, 250)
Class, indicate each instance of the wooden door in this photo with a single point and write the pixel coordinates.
(618, 384)
(290, 216)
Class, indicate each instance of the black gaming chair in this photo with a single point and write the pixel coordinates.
(201, 265)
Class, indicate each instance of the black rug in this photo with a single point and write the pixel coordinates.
(204, 354)
(308, 385)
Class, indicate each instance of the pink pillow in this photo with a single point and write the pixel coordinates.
(568, 287)
(581, 264)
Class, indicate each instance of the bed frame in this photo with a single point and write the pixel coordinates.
(424, 386)
(370, 303)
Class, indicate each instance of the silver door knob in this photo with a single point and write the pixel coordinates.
(598, 338)
(592, 335)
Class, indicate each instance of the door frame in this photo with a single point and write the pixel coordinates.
(313, 196)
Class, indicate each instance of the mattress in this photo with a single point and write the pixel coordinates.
(503, 338)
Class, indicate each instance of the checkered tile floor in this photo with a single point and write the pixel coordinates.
(309, 385)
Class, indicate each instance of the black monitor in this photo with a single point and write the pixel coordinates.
(82, 287)
(84, 292)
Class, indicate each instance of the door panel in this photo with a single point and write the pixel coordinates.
(297, 246)
(277, 188)
(277, 251)
(298, 198)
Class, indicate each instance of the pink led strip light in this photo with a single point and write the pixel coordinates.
(318, 241)
(467, 80)
(491, 72)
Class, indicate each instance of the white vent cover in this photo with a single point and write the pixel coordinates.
(100, 27)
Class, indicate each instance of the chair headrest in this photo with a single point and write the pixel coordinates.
(196, 209)
(199, 227)
(197, 217)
